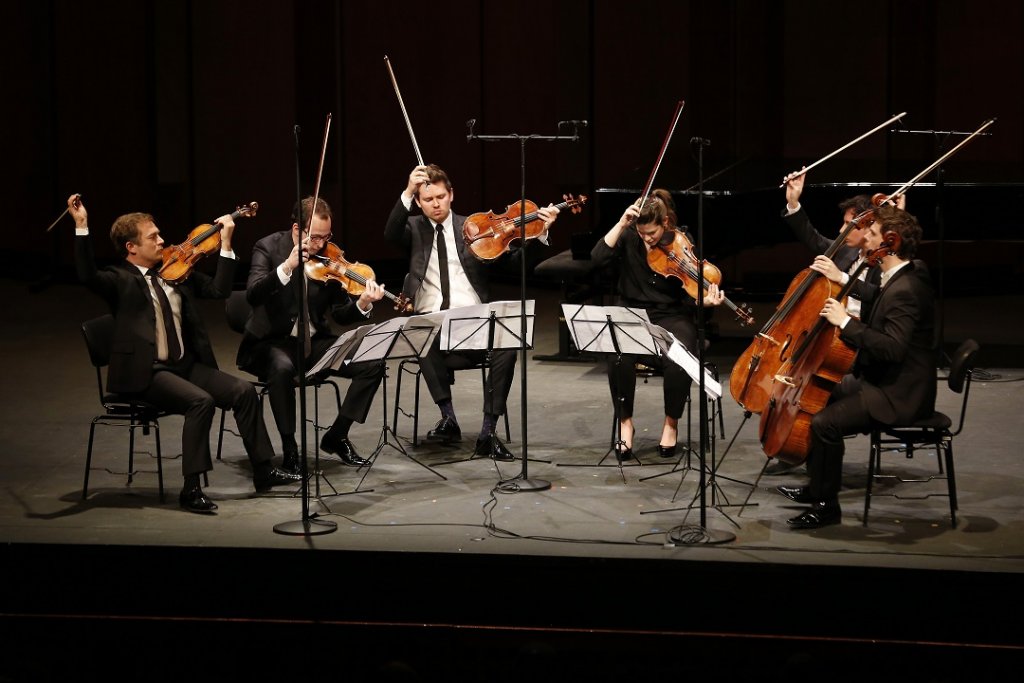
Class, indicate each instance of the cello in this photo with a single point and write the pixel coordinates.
(805, 381)
(753, 375)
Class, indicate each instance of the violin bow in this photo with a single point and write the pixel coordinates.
(849, 144)
(405, 114)
(935, 164)
(78, 198)
(661, 154)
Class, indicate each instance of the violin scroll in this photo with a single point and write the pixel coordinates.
(891, 243)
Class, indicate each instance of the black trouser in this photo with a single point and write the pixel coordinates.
(846, 413)
(196, 391)
(622, 373)
(275, 362)
(436, 363)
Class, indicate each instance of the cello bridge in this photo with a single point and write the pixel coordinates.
(784, 379)
(762, 335)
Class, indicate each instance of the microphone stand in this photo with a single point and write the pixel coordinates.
(683, 535)
(307, 525)
(522, 482)
(939, 138)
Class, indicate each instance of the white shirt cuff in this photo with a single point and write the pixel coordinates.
(282, 276)
(789, 211)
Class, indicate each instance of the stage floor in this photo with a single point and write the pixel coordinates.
(600, 533)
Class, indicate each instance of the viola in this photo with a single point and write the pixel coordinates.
(353, 276)
(675, 258)
(180, 259)
(489, 235)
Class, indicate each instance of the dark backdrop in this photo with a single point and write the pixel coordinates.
(186, 109)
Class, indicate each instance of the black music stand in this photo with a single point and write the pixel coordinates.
(487, 327)
(522, 483)
(396, 339)
(607, 330)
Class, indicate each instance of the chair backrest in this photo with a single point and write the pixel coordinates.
(237, 310)
(961, 365)
(98, 334)
(960, 370)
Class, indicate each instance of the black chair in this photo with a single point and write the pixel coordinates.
(237, 310)
(412, 367)
(120, 410)
(934, 431)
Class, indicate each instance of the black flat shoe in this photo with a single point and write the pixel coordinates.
(797, 494)
(274, 477)
(446, 430)
(667, 451)
(625, 454)
(492, 447)
(194, 500)
(820, 514)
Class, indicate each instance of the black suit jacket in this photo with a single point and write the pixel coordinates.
(124, 288)
(896, 356)
(416, 235)
(275, 307)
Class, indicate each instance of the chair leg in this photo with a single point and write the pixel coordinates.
(159, 461)
(951, 483)
(873, 455)
(220, 435)
(88, 461)
(416, 411)
(131, 449)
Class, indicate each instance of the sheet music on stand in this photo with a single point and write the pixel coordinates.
(671, 347)
(588, 326)
(402, 337)
(467, 327)
(339, 351)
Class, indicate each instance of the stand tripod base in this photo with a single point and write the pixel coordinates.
(700, 536)
(306, 527)
(522, 485)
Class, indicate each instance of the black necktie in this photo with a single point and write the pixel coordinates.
(442, 265)
(170, 331)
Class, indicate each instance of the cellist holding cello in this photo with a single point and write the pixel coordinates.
(667, 304)
(893, 379)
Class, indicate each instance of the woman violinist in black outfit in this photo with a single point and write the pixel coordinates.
(667, 305)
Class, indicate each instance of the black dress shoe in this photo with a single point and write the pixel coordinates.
(797, 494)
(344, 449)
(194, 500)
(667, 451)
(275, 477)
(291, 465)
(446, 430)
(822, 513)
(493, 448)
(625, 454)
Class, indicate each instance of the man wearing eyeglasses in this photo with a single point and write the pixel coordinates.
(269, 347)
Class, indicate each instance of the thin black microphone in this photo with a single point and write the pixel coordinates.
(700, 141)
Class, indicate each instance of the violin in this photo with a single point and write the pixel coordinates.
(676, 259)
(489, 236)
(332, 265)
(180, 259)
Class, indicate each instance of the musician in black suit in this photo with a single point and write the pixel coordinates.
(443, 275)
(160, 350)
(893, 380)
(268, 348)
